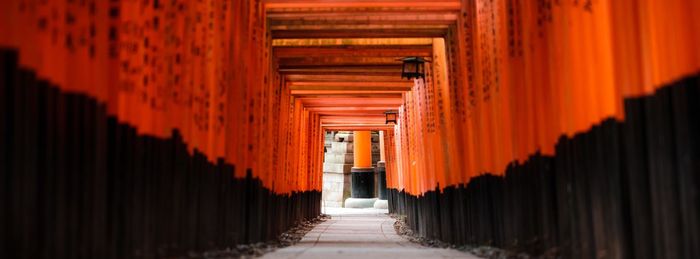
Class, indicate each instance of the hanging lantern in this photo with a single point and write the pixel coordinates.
(391, 117)
(413, 67)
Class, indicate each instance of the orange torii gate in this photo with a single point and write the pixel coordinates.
(529, 97)
(553, 121)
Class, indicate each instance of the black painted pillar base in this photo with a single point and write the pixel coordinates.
(381, 180)
(362, 182)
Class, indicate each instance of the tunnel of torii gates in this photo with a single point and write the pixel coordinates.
(141, 129)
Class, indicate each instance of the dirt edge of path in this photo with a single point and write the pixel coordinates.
(288, 238)
(481, 251)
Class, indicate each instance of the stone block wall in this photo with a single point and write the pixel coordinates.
(338, 160)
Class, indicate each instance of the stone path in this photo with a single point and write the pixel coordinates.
(359, 233)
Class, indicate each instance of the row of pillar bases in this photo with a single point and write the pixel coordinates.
(364, 175)
(363, 182)
(363, 186)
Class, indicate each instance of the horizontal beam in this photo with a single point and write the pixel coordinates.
(354, 108)
(322, 30)
(352, 51)
(349, 127)
(362, 18)
(348, 99)
(354, 41)
(339, 102)
(337, 61)
(358, 33)
(378, 114)
(329, 77)
(273, 6)
(376, 70)
(345, 93)
(353, 119)
(314, 27)
(365, 14)
(350, 85)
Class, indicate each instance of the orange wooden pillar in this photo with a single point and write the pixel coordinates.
(362, 171)
(382, 149)
(363, 149)
(381, 169)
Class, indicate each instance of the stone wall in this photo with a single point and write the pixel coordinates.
(338, 161)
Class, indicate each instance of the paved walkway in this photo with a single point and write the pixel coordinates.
(359, 233)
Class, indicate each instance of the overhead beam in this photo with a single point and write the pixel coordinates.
(358, 96)
(357, 19)
(350, 85)
(333, 101)
(370, 70)
(349, 127)
(338, 61)
(287, 5)
(323, 30)
(360, 18)
(356, 114)
(350, 113)
(353, 119)
(375, 33)
(352, 51)
(365, 14)
(347, 99)
(311, 27)
(352, 108)
(345, 94)
(329, 77)
(354, 41)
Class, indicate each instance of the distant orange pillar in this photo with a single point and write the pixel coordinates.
(382, 151)
(363, 172)
(363, 149)
(380, 170)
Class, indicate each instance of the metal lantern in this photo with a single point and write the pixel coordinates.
(413, 67)
(391, 117)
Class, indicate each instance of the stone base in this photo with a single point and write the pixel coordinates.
(381, 204)
(336, 188)
(360, 203)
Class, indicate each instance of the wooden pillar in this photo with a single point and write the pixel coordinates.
(363, 149)
(381, 169)
(382, 150)
(362, 171)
